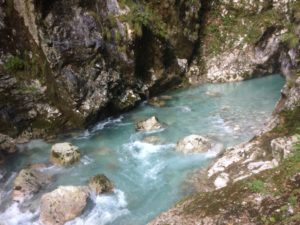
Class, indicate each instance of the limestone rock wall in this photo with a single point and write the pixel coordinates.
(66, 64)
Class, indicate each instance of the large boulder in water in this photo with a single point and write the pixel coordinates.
(64, 154)
(27, 183)
(63, 204)
(7, 144)
(193, 144)
(149, 124)
(100, 184)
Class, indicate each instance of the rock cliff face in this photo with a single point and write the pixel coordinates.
(65, 64)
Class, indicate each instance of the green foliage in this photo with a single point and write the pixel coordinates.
(291, 123)
(292, 200)
(291, 39)
(257, 186)
(143, 16)
(27, 65)
(14, 63)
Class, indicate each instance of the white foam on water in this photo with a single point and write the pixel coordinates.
(214, 151)
(142, 150)
(153, 172)
(154, 131)
(14, 216)
(220, 123)
(85, 160)
(101, 125)
(184, 108)
(107, 208)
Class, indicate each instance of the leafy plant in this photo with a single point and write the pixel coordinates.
(14, 63)
(257, 186)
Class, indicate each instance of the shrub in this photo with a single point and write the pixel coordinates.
(14, 63)
(256, 186)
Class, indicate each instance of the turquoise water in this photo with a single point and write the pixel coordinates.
(148, 178)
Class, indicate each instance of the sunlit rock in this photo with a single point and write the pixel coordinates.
(149, 124)
(282, 147)
(27, 183)
(222, 180)
(64, 154)
(193, 144)
(63, 204)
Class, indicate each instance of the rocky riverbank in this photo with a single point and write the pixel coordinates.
(252, 183)
(65, 65)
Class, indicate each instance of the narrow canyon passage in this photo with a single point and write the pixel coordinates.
(148, 174)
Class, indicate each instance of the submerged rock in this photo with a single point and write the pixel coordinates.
(157, 102)
(152, 140)
(7, 144)
(193, 144)
(64, 154)
(63, 204)
(149, 124)
(100, 184)
(213, 94)
(27, 183)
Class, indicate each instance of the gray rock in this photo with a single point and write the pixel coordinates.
(63, 204)
(100, 184)
(282, 147)
(193, 144)
(27, 183)
(7, 144)
(149, 124)
(64, 154)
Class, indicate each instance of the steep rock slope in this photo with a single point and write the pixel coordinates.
(66, 64)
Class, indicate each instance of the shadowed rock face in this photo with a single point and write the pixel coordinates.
(100, 184)
(90, 59)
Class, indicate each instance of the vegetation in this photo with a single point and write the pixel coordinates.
(14, 63)
(26, 65)
(257, 186)
(279, 190)
(141, 17)
(224, 32)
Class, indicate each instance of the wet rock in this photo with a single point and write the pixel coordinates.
(127, 101)
(193, 144)
(7, 144)
(27, 183)
(100, 184)
(63, 204)
(64, 154)
(149, 124)
(157, 102)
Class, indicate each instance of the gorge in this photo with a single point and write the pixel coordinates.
(208, 68)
